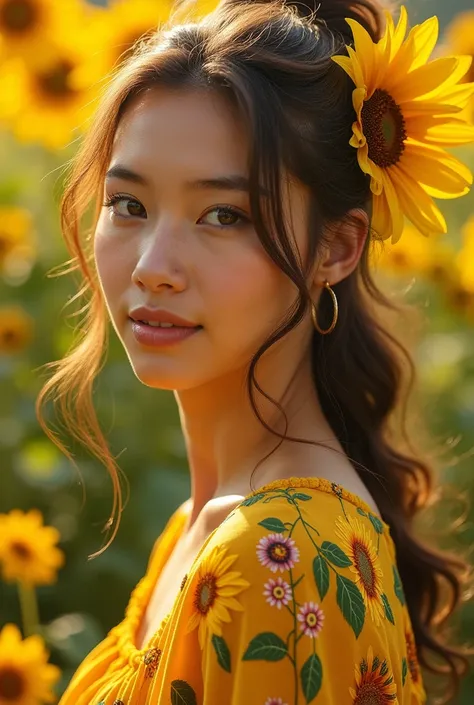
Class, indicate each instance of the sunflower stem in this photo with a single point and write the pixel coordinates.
(29, 608)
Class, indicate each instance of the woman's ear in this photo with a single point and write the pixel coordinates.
(344, 244)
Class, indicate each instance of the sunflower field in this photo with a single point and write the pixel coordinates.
(55, 604)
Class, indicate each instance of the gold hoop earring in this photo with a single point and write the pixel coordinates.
(336, 311)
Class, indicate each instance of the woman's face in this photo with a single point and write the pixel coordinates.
(183, 242)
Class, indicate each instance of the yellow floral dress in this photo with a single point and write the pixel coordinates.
(295, 598)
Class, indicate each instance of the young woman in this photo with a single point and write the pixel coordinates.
(242, 167)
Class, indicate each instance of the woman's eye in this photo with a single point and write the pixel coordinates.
(226, 217)
(130, 210)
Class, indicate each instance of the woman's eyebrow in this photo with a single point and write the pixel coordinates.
(234, 182)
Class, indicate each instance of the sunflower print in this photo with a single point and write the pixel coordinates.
(215, 595)
(365, 565)
(374, 682)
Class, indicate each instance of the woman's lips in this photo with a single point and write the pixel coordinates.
(156, 336)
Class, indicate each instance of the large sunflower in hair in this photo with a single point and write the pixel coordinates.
(407, 109)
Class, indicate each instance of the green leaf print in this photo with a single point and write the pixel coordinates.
(351, 603)
(361, 511)
(404, 670)
(376, 523)
(267, 647)
(182, 693)
(273, 524)
(335, 554)
(388, 609)
(321, 575)
(311, 677)
(222, 651)
(398, 585)
(252, 500)
(301, 496)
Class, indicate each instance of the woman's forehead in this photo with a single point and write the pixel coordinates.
(184, 128)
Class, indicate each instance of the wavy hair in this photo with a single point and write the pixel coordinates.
(273, 63)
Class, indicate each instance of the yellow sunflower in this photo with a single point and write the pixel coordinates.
(193, 10)
(368, 574)
(214, 594)
(41, 103)
(411, 255)
(27, 26)
(115, 31)
(26, 677)
(465, 257)
(374, 682)
(460, 37)
(16, 329)
(405, 113)
(28, 551)
(15, 231)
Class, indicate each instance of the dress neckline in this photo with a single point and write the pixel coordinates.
(142, 593)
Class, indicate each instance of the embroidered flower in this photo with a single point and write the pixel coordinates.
(311, 617)
(214, 594)
(277, 552)
(361, 552)
(374, 682)
(278, 592)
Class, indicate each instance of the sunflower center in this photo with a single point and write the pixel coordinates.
(278, 592)
(17, 547)
(18, 16)
(55, 82)
(365, 568)
(369, 694)
(206, 593)
(12, 684)
(311, 619)
(384, 128)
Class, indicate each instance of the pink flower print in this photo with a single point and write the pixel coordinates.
(277, 592)
(274, 701)
(311, 617)
(277, 552)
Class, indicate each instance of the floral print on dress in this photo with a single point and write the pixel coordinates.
(274, 701)
(364, 564)
(311, 618)
(215, 594)
(374, 682)
(277, 552)
(278, 592)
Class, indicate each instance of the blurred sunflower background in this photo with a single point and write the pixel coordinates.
(54, 604)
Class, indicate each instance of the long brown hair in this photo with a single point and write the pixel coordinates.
(273, 63)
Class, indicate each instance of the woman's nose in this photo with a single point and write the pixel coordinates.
(159, 264)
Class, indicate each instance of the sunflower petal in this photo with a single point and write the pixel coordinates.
(400, 31)
(445, 135)
(417, 205)
(345, 63)
(423, 80)
(364, 47)
(445, 175)
(415, 51)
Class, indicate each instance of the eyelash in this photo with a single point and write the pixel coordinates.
(116, 197)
